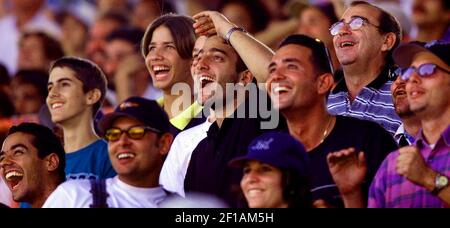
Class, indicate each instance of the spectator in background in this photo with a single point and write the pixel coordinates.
(250, 14)
(315, 21)
(32, 163)
(29, 90)
(432, 18)
(26, 15)
(275, 172)
(364, 41)
(167, 48)
(125, 67)
(145, 11)
(74, 33)
(76, 90)
(37, 50)
(102, 27)
(6, 105)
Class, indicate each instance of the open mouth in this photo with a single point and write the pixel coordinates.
(346, 44)
(125, 156)
(13, 178)
(161, 71)
(56, 105)
(280, 89)
(205, 80)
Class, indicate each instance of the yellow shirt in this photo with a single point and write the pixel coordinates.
(182, 120)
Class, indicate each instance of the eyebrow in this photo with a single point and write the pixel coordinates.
(154, 43)
(60, 80)
(15, 146)
(286, 60)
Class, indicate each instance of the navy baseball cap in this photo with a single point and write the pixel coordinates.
(277, 149)
(141, 109)
(404, 54)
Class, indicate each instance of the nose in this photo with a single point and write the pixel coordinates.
(202, 63)
(344, 29)
(5, 161)
(53, 92)
(155, 54)
(251, 177)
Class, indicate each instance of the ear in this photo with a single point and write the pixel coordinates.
(389, 41)
(165, 141)
(245, 77)
(93, 96)
(324, 83)
(52, 162)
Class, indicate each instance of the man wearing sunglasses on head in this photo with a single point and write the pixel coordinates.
(364, 40)
(138, 141)
(417, 176)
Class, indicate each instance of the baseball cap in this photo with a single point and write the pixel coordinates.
(141, 109)
(404, 54)
(278, 149)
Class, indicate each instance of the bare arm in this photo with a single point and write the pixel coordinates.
(348, 170)
(255, 54)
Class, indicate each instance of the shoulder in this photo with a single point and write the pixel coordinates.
(73, 193)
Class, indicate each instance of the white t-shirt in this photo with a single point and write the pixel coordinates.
(75, 194)
(176, 164)
(5, 193)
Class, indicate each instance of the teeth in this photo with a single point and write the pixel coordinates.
(280, 89)
(160, 68)
(206, 78)
(254, 192)
(56, 105)
(11, 174)
(347, 43)
(125, 155)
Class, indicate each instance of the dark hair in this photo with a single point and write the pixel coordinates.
(320, 56)
(37, 78)
(88, 73)
(45, 142)
(327, 9)
(181, 29)
(52, 47)
(257, 12)
(387, 24)
(132, 35)
(296, 189)
(114, 15)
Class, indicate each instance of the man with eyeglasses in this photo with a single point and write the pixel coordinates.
(138, 141)
(417, 176)
(364, 40)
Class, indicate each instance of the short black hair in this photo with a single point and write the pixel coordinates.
(52, 47)
(37, 78)
(296, 189)
(88, 73)
(320, 55)
(45, 142)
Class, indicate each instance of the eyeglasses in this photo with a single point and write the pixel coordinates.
(113, 134)
(424, 70)
(355, 23)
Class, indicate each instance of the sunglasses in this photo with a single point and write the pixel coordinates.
(114, 134)
(424, 70)
(355, 23)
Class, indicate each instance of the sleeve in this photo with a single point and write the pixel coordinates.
(169, 177)
(377, 189)
(60, 198)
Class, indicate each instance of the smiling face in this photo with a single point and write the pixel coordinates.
(21, 168)
(262, 185)
(164, 63)
(430, 95)
(135, 158)
(215, 66)
(66, 98)
(314, 23)
(400, 100)
(362, 45)
(31, 54)
(292, 81)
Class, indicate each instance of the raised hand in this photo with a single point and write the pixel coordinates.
(208, 23)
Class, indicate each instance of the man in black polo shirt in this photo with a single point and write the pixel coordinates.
(218, 67)
(300, 77)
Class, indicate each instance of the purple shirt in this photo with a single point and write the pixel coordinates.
(390, 189)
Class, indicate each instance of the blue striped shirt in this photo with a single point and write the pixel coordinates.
(373, 103)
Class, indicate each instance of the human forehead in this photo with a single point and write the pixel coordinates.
(199, 43)
(215, 43)
(62, 72)
(366, 11)
(18, 138)
(292, 51)
(162, 34)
